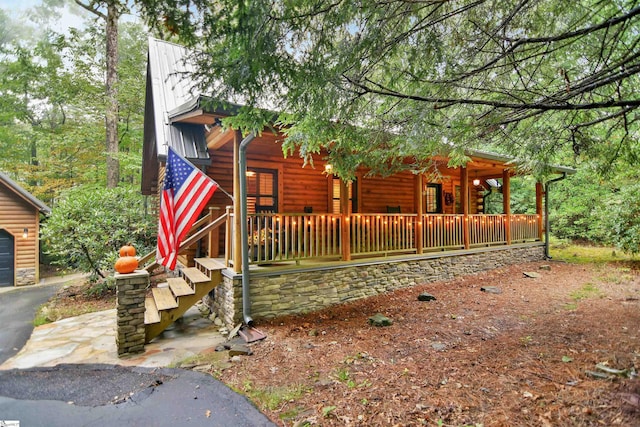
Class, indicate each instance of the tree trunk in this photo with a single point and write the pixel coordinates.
(111, 117)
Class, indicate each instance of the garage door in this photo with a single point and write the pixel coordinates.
(6, 258)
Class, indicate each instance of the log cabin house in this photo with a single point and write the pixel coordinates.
(19, 234)
(300, 238)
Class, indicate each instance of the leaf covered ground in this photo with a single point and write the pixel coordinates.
(560, 349)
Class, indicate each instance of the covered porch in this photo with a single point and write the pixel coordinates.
(297, 214)
(295, 210)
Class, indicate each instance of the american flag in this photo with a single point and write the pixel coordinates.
(186, 191)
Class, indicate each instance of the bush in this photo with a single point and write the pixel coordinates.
(89, 224)
(623, 219)
(577, 207)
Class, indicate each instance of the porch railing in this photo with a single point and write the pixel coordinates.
(487, 229)
(282, 237)
(524, 228)
(442, 231)
(382, 233)
(277, 237)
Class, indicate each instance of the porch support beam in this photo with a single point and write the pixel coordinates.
(464, 203)
(237, 224)
(345, 229)
(214, 235)
(418, 180)
(506, 203)
(539, 194)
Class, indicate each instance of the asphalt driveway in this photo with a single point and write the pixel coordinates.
(18, 307)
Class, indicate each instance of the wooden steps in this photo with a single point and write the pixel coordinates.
(164, 298)
(151, 314)
(207, 265)
(193, 275)
(179, 287)
(169, 301)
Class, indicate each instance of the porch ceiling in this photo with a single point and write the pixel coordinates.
(218, 137)
(196, 117)
(482, 168)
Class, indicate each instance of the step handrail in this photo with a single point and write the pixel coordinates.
(201, 233)
(193, 238)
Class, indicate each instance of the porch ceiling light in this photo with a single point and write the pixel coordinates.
(476, 182)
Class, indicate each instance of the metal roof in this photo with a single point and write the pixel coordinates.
(169, 86)
(168, 74)
(24, 194)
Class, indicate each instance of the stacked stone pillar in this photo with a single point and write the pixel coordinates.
(130, 292)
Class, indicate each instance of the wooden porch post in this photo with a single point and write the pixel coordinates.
(228, 236)
(419, 211)
(214, 235)
(506, 203)
(539, 194)
(345, 229)
(237, 235)
(464, 194)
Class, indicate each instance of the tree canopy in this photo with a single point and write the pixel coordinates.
(52, 103)
(533, 78)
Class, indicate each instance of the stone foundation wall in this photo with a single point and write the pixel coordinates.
(130, 292)
(25, 276)
(227, 303)
(306, 290)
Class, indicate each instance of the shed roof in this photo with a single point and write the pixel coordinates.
(24, 194)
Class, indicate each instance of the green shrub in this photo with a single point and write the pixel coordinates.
(89, 224)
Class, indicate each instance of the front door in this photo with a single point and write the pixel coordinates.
(6, 258)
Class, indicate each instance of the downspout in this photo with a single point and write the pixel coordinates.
(244, 239)
(546, 213)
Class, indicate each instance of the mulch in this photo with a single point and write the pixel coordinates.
(559, 349)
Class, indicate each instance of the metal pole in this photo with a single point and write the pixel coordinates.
(244, 240)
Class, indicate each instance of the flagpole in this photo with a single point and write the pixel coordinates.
(229, 195)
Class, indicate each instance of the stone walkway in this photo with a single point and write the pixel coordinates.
(91, 338)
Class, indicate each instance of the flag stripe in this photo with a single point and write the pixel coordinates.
(186, 192)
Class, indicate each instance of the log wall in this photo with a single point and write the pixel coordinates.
(308, 186)
(16, 214)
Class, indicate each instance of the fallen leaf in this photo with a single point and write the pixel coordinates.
(208, 413)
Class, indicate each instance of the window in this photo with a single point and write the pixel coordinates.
(433, 198)
(262, 190)
(335, 208)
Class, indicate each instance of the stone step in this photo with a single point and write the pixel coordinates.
(164, 298)
(179, 287)
(151, 314)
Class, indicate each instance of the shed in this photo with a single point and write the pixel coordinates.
(19, 234)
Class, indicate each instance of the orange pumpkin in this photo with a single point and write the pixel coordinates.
(126, 264)
(127, 250)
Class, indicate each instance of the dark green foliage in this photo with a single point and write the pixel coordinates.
(373, 81)
(578, 205)
(623, 218)
(89, 224)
